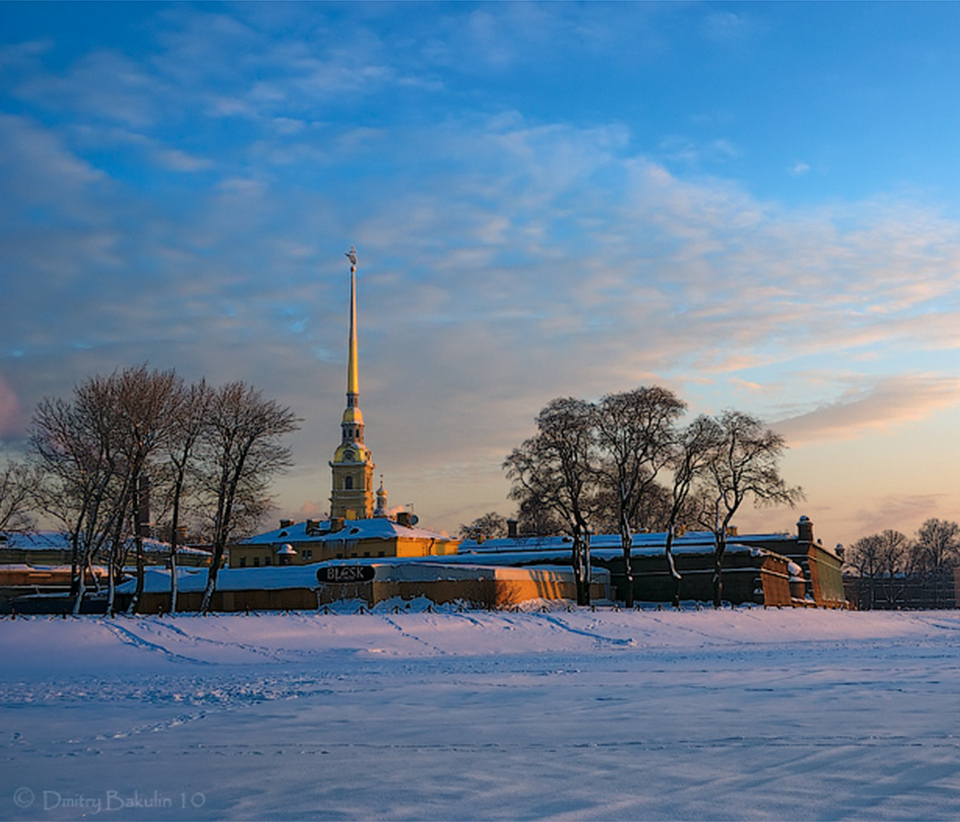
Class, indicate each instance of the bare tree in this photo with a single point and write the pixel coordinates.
(188, 422)
(938, 546)
(489, 526)
(894, 554)
(556, 468)
(634, 436)
(78, 474)
(241, 452)
(143, 406)
(536, 519)
(864, 556)
(81, 477)
(895, 571)
(19, 483)
(744, 462)
(691, 453)
(867, 557)
(938, 541)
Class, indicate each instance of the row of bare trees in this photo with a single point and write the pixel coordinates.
(206, 453)
(893, 568)
(626, 463)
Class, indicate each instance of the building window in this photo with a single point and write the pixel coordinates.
(348, 483)
(381, 554)
(256, 562)
(266, 560)
(243, 562)
(366, 553)
(308, 554)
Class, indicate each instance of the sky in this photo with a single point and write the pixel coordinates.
(755, 205)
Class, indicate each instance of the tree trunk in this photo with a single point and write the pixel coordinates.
(81, 586)
(577, 563)
(111, 580)
(173, 567)
(138, 542)
(208, 591)
(587, 571)
(626, 542)
(581, 565)
(75, 564)
(141, 573)
(674, 573)
(718, 573)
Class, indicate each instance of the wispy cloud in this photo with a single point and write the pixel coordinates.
(13, 418)
(882, 405)
(189, 204)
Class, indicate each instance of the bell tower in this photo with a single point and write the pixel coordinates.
(352, 464)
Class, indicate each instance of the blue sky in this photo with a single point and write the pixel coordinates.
(753, 204)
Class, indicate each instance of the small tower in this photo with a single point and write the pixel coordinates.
(352, 464)
(381, 510)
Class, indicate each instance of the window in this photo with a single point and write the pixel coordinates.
(348, 483)
(256, 562)
(366, 553)
(307, 554)
(243, 562)
(266, 560)
(381, 554)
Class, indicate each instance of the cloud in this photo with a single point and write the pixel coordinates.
(899, 512)
(506, 257)
(729, 28)
(36, 167)
(13, 419)
(104, 85)
(883, 405)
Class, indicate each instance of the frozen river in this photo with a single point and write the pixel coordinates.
(737, 714)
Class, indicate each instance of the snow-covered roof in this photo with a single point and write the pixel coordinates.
(376, 528)
(419, 569)
(60, 541)
(643, 543)
(558, 552)
(157, 580)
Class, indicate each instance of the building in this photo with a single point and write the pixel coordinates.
(359, 526)
(352, 495)
(302, 543)
(769, 569)
(53, 548)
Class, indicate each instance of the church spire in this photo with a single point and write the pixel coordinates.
(352, 464)
(353, 368)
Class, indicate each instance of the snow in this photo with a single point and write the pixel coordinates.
(741, 713)
(61, 541)
(401, 569)
(371, 528)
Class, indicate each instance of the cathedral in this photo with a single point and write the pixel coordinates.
(359, 525)
(352, 465)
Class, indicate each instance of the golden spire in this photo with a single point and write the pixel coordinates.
(353, 370)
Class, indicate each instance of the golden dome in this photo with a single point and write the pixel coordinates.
(353, 415)
(351, 452)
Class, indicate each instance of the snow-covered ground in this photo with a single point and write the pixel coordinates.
(736, 714)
